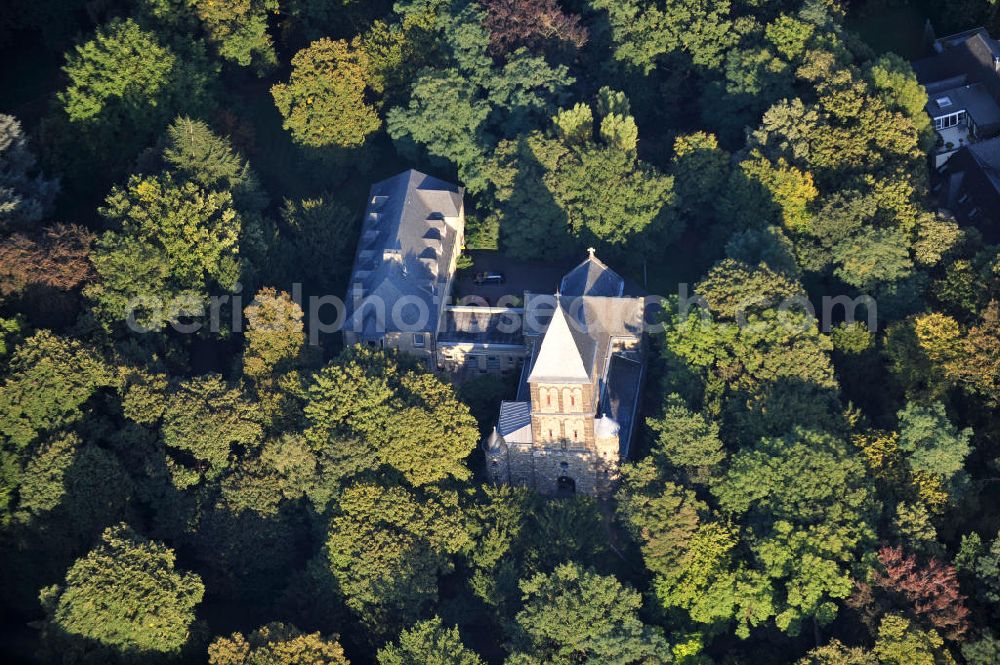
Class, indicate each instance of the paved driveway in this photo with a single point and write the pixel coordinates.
(520, 276)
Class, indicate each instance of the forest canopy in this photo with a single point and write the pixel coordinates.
(800, 489)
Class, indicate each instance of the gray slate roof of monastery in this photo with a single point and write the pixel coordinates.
(514, 416)
(592, 321)
(621, 397)
(486, 327)
(592, 278)
(405, 250)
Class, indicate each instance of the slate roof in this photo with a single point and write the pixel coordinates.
(488, 326)
(593, 322)
(592, 278)
(409, 236)
(961, 62)
(967, 53)
(515, 418)
(987, 156)
(973, 179)
(975, 99)
(621, 397)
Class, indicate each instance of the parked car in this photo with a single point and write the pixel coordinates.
(489, 278)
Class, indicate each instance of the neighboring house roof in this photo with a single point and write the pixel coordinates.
(592, 278)
(969, 53)
(987, 157)
(966, 66)
(409, 237)
(975, 99)
(514, 418)
(563, 353)
(973, 178)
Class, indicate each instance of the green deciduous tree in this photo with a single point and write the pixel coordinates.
(900, 642)
(125, 85)
(276, 644)
(574, 615)
(690, 553)
(211, 422)
(238, 29)
(51, 378)
(932, 444)
(806, 500)
(386, 549)
(645, 32)
(444, 115)
(733, 289)
(324, 102)
(275, 336)
(411, 421)
(284, 469)
(126, 595)
(428, 643)
(592, 190)
(686, 440)
(170, 246)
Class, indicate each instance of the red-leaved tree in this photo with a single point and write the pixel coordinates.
(57, 257)
(531, 23)
(931, 591)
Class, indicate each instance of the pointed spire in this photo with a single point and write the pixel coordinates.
(559, 357)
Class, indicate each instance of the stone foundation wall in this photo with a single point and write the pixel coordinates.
(540, 469)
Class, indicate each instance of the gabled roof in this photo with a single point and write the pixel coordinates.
(408, 238)
(592, 278)
(561, 358)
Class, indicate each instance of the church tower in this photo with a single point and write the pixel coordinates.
(562, 408)
(580, 388)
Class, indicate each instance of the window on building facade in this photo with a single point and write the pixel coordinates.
(950, 120)
(418, 340)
